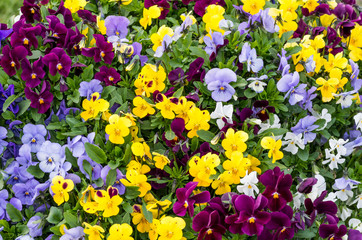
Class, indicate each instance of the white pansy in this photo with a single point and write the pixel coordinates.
(333, 160)
(358, 120)
(222, 112)
(331, 197)
(338, 145)
(358, 201)
(298, 199)
(323, 115)
(345, 213)
(355, 224)
(294, 141)
(248, 184)
(268, 125)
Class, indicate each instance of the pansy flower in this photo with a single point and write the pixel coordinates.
(42, 99)
(32, 75)
(102, 51)
(11, 58)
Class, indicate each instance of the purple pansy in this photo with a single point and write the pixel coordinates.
(4, 195)
(42, 100)
(34, 136)
(3, 144)
(4, 33)
(209, 225)
(185, 203)
(217, 81)
(32, 75)
(87, 16)
(95, 167)
(35, 227)
(102, 51)
(4, 95)
(356, 83)
(249, 56)
(212, 42)
(58, 61)
(50, 156)
(117, 184)
(166, 42)
(288, 84)
(26, 191)
(332, 231)
(11, 58)
(86, 89)
(117, 26)
(195, 72)
(305, 126)
(73, 233)
(109, 76)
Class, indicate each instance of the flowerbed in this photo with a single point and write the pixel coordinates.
(207, 119)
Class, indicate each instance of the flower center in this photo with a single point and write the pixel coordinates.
(50, 160)
(250, 187)
(12, 63)
(26, 41)
(33, 140)
(186, 204)
(32, 11)
(103, 54)
(55, 35)
(275, 195)
(26, 193)
(111, 78)
(41, 101)
(251, 220)
(33, 75)
(16, 178)
(59, 66)
(283, 230)
(222, 88)
(209, 231)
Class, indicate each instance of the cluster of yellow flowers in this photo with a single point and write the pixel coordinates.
(203, 169)
(214, 14)
(116, 231)
(150, 79)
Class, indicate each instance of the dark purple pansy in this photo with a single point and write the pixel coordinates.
(56, 31)
(87, 16)
(25, 36)
(109, 76)
(103, 51)
(307, 185)
(72, 40)
(354, 234)
(195, 72)
(176, 76)
(302, 29)
(320, 207)
(67, 15)
(332, 231)
(11, 58)
(32, 75)
(277, 188)
(58, 61)
(209, 225)
(30, 11)
(262, 109)
(185, 203)
(40, 100)
(251, 214)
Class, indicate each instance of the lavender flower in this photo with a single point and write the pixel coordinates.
(355, 82)
(117, 184)
(76, 145)
(268, 21)
(88, 88)
(73, 233)
(50, 155)
(288, 84)
(34, 136)
(26, 191)
(283, 60)
(166, 42)
(216, 39)
(248, 55)
(3, 144)
(4, 34)
(217, 81)
(305, 126)
(4, 95)
(35, 226)
(4, 195)
(116, 26)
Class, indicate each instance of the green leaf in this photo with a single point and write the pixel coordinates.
(87, 73)
(249, 93)
(87, 168)
(178, 93)
(306, 234)
(14, 214)
(205, 135)
(127, 207)
(35, 171)
(132, 192)
(303, 154)
(23, 107)
(275, 131)
(55, 215)
(95, 153)
(71, 219)
(320, 122)
(9, 101)
(148, 215)
(170, 135)
(127, 155)
(111, 177)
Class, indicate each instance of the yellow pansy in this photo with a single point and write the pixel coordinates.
(166, 106)
(198, 121)
(236, 166)
(142, 107)
(108, 201)
(234, 142)
(75, 5)
(120, 231)
(274, 148)
(160, 160)
(148, 14)
(157, 38)
(93, 107)
(222, 183)
(93, 232)
(138, 180)
(118, 128)
(253, 6)
(212, 17)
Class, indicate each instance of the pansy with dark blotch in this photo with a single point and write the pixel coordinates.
(11, 58)
(209, 225)
(163, 4)
(280, 224)
(262, 109)
(332, 231)
(102, 51)
(41, 99)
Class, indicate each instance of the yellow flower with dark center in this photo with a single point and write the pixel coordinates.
(166, 106)
(60, 188)
(93, 107)
(183, 107)
(108, 201)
